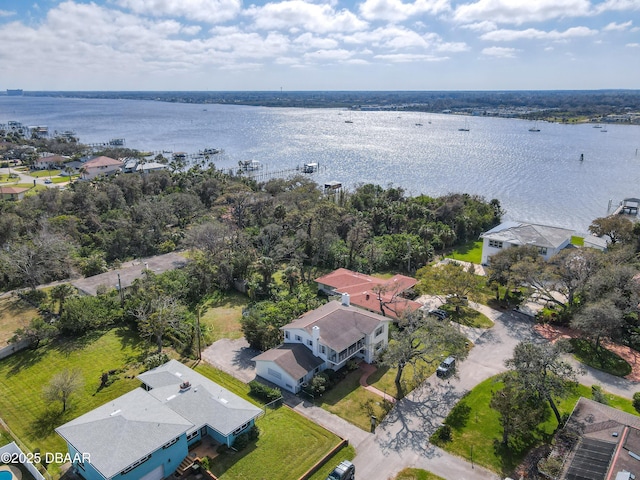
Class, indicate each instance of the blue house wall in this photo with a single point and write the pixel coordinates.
(170, 457)
(228, 440)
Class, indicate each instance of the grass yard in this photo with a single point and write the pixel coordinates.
(468, 316)
(14, 314)
(469, 252)
(416, 474)
(44, 173)
(5, 437)
(349, 400)
(476, 427)
(223, 315)
(224, 380)
(23, 376)
(602, 359)
(288, 446)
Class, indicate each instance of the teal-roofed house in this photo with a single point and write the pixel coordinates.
(146, 433)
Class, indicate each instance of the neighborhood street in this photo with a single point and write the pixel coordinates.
(402, 439)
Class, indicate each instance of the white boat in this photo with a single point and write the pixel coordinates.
(534, 128)
(465, 128)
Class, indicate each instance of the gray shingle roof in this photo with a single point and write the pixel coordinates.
(294, 358)
(519, 233)
(124, 430)
(340, 326)
(136, 424)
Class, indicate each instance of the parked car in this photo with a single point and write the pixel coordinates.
(344, 471)
(436, 312)
(48, 180)
(446, 368)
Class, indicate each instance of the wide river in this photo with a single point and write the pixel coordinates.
(537, 176)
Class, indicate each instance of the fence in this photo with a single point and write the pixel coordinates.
(13, 348)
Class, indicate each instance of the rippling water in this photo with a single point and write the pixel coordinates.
(537, 176)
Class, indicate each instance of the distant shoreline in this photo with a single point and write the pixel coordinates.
(558, 106)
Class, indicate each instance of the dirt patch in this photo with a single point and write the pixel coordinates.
(553, 333)
(14, 314)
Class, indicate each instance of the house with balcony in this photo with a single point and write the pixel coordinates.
(548, 240)
(324, 338)
(146, 434)
(388, 297)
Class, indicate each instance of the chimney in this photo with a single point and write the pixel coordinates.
(315, 334)
(345, 299)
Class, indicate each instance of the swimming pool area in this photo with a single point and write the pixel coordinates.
(9, 472)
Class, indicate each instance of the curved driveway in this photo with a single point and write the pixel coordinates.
(402, 439)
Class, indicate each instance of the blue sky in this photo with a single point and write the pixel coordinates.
(319, 44)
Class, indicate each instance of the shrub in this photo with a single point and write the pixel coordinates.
(254, 433)
(636, 401)
(264, 392)
(598, 395)
(206, 465)
(443, 434)
(155, 360)
(551, 466)
(241, 442)
(34, 297)
(319, 384)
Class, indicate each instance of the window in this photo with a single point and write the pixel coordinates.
(495, 244)
(323, 349)
(241, 428)
(168, 444)
(310, 343)
(286, 335)
(192, 435)
(134, 465)
(379, 331)
(298, 338)
(542, 250)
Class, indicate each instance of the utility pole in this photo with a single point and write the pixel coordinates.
(198, 332)
(121, 292)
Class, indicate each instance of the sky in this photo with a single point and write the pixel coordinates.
(297, 45)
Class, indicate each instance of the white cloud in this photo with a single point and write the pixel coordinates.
(308, 16)
(397, 11)
(453, 47)
(392, 37)
(310, 41)
(633, 45)
(325, 56)
(6, 13)
(534, 34)
(209, 11)
(408, 58)
(484, 26)
(519, 11)
(617, 27)
(617, 5)
(500, 52)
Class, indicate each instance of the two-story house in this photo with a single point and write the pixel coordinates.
(548, 240)
(100, 166)
(327, 337)
(145, 434)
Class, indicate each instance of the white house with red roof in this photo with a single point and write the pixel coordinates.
(324, 338)
(49, 161)
(100, 166)
(384, 296)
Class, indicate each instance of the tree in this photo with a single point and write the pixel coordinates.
(573, 268)
(501, 265)
(60, 293)
(448, 279)
(158, 316)
(599, 320)
(616, 227)
(541, 370)
(62, 386)
(419, 340)
(519, 409)
(35, 332)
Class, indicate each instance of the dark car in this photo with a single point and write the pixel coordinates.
(344, 471)
(436, 312)
(446, 368)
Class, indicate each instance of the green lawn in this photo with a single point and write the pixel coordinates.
(475, 427)
(349, 400)
(288, 446)
(468, 316)
(14, 314)
(602, 359)
(469, 252)
(23, 376)
(44, 173)
(222, 316)
(416, 474)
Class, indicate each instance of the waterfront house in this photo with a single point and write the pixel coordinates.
(146, 434)
(100, 166)
(144, 168)
(324, 338)
(387, 297)
(548, 240)
(49, 161)
(12, 193)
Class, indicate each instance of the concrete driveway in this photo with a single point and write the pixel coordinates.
(233, 357)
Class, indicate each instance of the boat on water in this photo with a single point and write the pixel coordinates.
(465, 128)
(534, 128)
(310, 167)
(597, 126)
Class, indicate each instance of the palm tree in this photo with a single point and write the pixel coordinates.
(61, 293)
